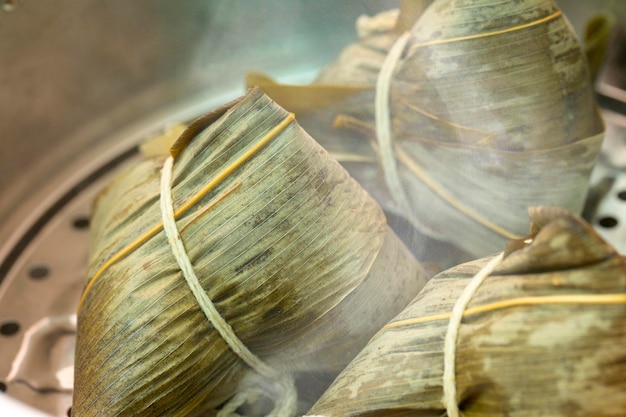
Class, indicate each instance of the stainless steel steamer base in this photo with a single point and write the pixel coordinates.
(84, 82)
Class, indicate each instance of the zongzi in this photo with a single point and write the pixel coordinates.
(471, 115)
(283, 254)
(542, 335)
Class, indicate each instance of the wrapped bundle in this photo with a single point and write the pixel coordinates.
(475, 111)
(489, 105)
(536, 331)
(282, 253)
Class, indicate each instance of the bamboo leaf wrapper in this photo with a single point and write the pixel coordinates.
(489, 102)
(288, 247)
(543, 335)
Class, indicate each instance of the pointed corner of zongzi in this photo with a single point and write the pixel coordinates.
(558, 239)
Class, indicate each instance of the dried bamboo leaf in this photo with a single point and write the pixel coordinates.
(360, 62)
(543, 336)
(598, 32)
(160, 144)
(492, 102)
(291, 251)
(302, 99)
(410, 11)
(489, 102)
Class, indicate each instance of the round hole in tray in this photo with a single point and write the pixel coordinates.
(9, 328)
(622, 195)
(3, 387)
(608, 222)
(39, 272)
(80, 223)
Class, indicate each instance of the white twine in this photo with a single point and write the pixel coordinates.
(388, 158)
(383, 126)
(449, 347)
(285, 405)
(398, 193)
(454, 324)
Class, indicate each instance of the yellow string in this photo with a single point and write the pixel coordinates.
(285, 405)
(205, 190)
(488, 135)
(496, 32)
(220, 177)
(408, 162)
(587, 299)
(411, 165)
